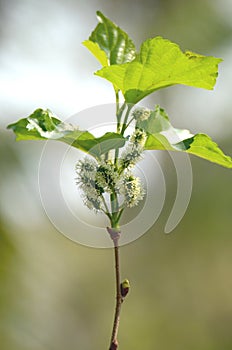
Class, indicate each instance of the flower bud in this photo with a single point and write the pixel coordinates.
(124, 286)
(114, 345)
(141, 114)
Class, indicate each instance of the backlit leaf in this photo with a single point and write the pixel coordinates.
(97, 52)
(113, 41)
(42, 125)
(163, 136)
(160, 64)
(203, 146)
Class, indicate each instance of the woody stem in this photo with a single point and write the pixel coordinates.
(115, 235)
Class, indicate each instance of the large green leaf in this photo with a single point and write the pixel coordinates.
(161, 63)
(162, 136)
(110, 44)
(42, 125)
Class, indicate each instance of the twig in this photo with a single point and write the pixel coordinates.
(115, 235)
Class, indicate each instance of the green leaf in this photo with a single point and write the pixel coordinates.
(160, 64)
(163, 136)
(200, 145)
(101, 145)
(203, 146)
(97, 52)
(158, 121)
(42, 125)
(118, 48)
(158, 142)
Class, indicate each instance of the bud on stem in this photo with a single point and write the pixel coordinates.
(124, 287)
(114, 345)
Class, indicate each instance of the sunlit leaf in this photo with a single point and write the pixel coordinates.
(203, 146)
(97, 52)
(42, 125)
(160, 64)
(113, 41)
(200, 145)
(100, 145)
(157, 121)
(163, 136)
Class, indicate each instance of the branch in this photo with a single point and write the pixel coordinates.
(115, 235)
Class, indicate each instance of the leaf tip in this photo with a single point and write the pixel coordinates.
(99, 15)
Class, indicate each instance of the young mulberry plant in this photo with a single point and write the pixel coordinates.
(105, 176)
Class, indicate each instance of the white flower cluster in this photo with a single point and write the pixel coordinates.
(106, 175)
(97, 180)
(86, 179)
(133, 152)
(138, 138)
(141, 114)
(132, 190)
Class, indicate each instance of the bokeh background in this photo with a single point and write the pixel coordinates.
(55, 294)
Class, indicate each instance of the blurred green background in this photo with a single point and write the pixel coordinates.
(55, 294)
